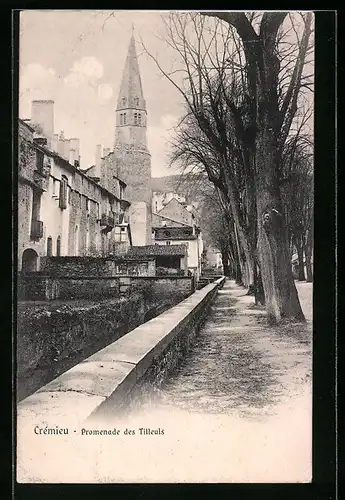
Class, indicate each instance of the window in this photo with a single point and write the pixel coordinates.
(58, 246)
(54, 187)
(87, 239)
(121, 118)
(123, 234)
(76, 240)
(124, 118)
(36, 205)
(168, 242)
(139, 119)
(49, 246)
(122, 190)
(63, 193)
(39, 160)
(135, 119)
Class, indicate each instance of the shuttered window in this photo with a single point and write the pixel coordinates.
(63, 193)
(58, 246)
(49, 246)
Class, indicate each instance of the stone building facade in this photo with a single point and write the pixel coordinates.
(61, 210)
(160, 199)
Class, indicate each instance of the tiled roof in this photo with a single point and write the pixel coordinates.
(157, 221)
(176, 237)
(157, 250)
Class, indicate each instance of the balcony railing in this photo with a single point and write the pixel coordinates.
(107, 221)
(36, 230)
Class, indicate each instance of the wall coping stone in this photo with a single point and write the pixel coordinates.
(37, 274)
(114, 370)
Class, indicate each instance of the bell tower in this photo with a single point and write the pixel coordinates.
(131, 114)
(132, 157)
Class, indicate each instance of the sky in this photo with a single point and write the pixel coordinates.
(76, 58)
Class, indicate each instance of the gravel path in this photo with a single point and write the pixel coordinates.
(240, 365)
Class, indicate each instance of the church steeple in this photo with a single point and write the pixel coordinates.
(131, 106)
(131, 160)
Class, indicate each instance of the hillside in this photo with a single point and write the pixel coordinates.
(188, 185)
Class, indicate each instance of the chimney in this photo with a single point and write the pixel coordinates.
(61, 144)
(98, 161)
(66, 149)
(74, 144)
(72, 156)
(42, 114)
(55, 142)
(77, 161)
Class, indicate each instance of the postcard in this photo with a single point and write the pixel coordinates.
(165, 246)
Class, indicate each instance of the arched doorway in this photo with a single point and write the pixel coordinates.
(29, 261)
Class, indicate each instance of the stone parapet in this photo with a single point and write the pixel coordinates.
(112, 380)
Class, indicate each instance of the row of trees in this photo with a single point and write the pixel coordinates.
(246, 83)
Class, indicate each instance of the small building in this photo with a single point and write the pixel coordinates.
(213, 258)
(177, 223)
(170, 232)
(169, 259)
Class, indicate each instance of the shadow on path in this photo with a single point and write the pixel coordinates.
(238, 363)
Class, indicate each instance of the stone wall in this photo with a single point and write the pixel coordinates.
(77, 266)
(53, 336)
(115, 378)
(67, 278)
(96, 266)
(37, 286)
(51, 339)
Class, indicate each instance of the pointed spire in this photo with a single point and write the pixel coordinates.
(131, 91)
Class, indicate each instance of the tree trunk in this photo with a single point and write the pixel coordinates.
(238, 277)
(225, 260)
(299, 248)
(274, 257)
(272, 125)
(259, 289)
(308, 253)
(309, 268)
(241, 239)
